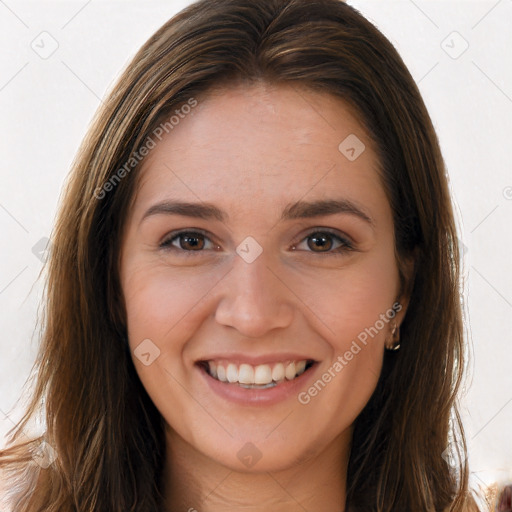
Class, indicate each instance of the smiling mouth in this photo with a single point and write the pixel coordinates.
(263, 376)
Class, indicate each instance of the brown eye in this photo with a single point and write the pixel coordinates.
(322, 241)
(187, 241)
(191, 242)
(325, 242)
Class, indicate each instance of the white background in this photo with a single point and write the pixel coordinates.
(46, 105)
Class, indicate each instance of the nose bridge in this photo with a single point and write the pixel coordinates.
(252, 299)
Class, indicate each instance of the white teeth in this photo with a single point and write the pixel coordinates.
(300, 367)
(246, 374)
(232, 373)
(278, 372)
(261, 376)
(221, 373)
(290, 371)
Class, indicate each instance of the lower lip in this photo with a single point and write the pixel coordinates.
(243, 396)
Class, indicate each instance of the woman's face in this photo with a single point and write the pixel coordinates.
(260, 247)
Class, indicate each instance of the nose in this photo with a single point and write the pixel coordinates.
(253, 299)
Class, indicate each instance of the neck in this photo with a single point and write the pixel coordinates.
(195, 482)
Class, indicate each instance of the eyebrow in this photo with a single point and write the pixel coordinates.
(297, 210)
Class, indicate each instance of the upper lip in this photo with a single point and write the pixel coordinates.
(256, 360)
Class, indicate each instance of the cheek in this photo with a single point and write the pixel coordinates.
(157, 299)
(162, 306)
(349, 300)
(354, 309)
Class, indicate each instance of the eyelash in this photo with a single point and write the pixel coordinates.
(346, 244)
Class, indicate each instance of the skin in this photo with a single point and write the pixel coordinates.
(251, 151)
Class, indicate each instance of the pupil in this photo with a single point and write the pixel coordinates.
(191, 241)
(321, 241)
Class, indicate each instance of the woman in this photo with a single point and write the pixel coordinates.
(252, 297)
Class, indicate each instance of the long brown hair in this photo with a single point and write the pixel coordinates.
(106, 431)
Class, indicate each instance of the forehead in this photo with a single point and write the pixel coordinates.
(262, 144)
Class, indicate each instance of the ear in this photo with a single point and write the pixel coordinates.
(407, 268)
